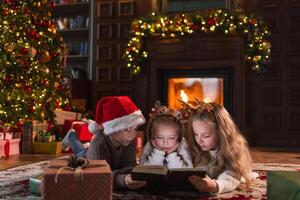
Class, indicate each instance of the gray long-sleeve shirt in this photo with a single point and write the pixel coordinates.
(121, 159)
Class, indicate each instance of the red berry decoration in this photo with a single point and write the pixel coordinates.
(212, 21)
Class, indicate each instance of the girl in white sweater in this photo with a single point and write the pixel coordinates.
(166, 145)
(218, 147)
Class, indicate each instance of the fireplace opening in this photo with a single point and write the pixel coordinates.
(208, 85)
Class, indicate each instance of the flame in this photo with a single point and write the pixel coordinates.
(206, 100)
(184, 96)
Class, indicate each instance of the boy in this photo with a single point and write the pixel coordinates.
(114, 129)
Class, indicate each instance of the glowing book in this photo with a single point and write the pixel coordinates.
(161, 178)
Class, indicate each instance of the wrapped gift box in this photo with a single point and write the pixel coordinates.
(9, 147)
(45, 138)
(47, 147)
(283, 185)
(34, 185)
(6, 135)
(27, 138)
(62, 115)
(95, 183)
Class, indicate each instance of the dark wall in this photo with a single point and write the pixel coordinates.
(272, 98)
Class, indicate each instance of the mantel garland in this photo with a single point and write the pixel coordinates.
(257, 52)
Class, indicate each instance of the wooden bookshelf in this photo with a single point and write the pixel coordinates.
(74, 23)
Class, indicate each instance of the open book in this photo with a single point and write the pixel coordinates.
(161, 178)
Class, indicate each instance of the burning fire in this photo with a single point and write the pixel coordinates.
(184, 96)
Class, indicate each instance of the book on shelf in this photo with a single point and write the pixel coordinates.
(161, 178)
(78, 22)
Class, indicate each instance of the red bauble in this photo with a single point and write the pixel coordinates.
(52, 5)
(37, 36)
(27, 88)
(57, 103)
(32, 33)
(26, 11)
(212, 21)
(31, 109)
(253, 21)
(23, 50)
(20, 123)
(7, 1)
(5, 12)
(195, 27)
(8, 78)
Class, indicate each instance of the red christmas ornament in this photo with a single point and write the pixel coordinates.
(31, 109)
(24, 50)
(253, 21)
(37, 36)
(27, 88)
(52, 5)
(212, 21)
(20, 123)
(8, 78)
(195, 27)
(5, 12)
(57, 103)
(26, 11)
(7, 1)
(32, 33)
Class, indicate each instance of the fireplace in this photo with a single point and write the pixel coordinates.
(187, 84)
(208, 66)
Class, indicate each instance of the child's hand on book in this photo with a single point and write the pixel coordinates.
(204, 184)
(133, 184)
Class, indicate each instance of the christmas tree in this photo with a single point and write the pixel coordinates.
(31, 62)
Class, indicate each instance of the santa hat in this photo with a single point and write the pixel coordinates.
(115, 113)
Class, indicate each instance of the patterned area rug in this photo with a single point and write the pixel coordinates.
(14, 184)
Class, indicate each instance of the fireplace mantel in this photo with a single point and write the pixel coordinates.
(197, 52)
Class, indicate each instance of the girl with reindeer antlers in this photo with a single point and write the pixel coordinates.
(166, 145)
(217, 146)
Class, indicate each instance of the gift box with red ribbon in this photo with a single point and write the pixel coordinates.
(9, 147)
(92, 182)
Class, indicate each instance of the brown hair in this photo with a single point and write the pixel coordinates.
(232, 154)
(166, 120)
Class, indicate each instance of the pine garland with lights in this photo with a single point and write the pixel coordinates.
(257, 52)
(31, 67)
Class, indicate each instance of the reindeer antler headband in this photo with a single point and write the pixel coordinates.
(161, 110)
(200, 106)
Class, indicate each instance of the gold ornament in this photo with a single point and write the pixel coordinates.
(9, 47)
(31, 52)
(256, 58)
(18, 85)
(45, 57)
(56, 84)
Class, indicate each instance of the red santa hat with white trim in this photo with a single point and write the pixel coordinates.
(115, 113)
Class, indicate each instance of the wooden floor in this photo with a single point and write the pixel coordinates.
(258, 155)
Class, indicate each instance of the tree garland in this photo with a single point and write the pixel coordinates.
(257, 52)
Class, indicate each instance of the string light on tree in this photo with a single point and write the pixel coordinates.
(30, 62)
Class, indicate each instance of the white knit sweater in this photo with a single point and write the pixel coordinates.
(226, 180)
(178, 159)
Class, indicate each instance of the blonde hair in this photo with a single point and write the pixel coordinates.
(165, 120)
(232, 154)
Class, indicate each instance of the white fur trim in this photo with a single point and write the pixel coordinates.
(93, 127)
(121, 123)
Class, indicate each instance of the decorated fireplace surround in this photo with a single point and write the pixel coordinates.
(214, 54)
